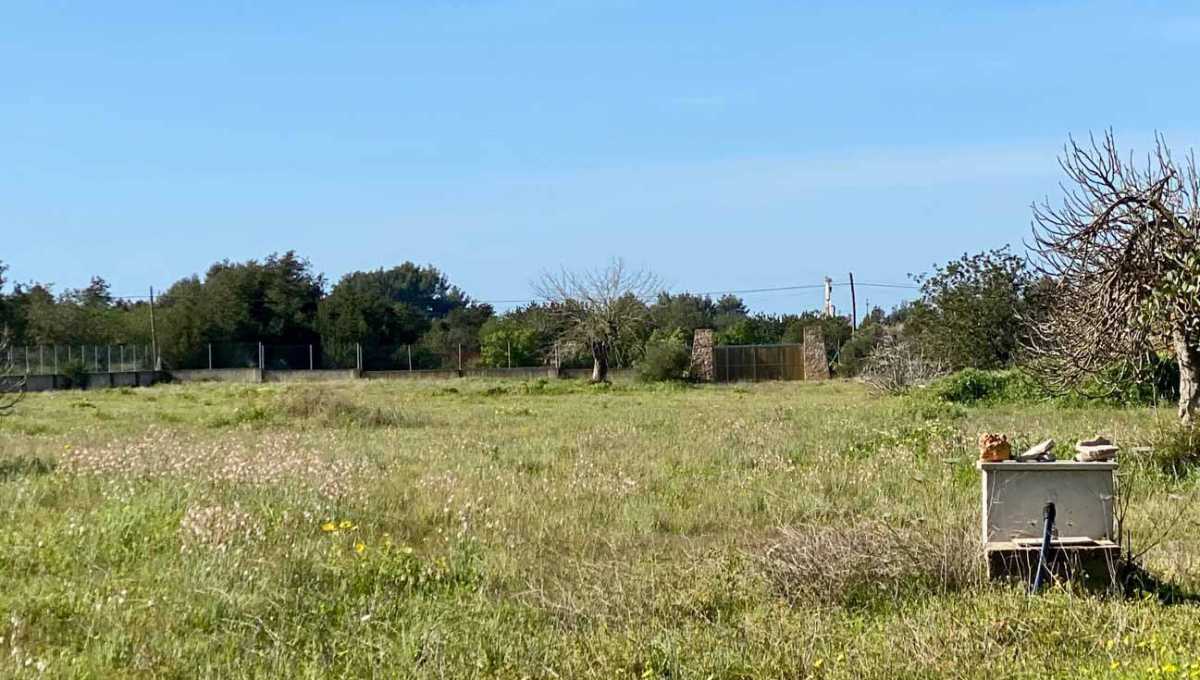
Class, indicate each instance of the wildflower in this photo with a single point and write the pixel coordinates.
(1114, 664)
(346, 524)
(328, 527)
(360, 547)
(1169, 668)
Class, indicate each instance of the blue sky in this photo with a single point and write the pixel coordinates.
(724, 145)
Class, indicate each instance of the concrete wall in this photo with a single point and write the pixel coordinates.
(239, 375)
(309, 376)
(45, 383)
(614, 374)
(427, 374)
(42, 383)
(548, 372)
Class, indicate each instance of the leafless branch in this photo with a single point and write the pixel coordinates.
(12, 388)
(1120, 251)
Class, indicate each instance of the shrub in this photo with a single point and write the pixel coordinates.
(75, 373)
(666, 358)
(971, 386)
(895, 367)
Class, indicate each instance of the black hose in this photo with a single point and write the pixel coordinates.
(1044, 553)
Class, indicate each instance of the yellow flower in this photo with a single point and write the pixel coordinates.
(328, 526)
(1114, 664)
(818, 663)
(1169, 668)
(346, 524)
(360, 547)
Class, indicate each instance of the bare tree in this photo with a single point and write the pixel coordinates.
(12, 388)
(896, 366)
(1123, 254)
(599, 307)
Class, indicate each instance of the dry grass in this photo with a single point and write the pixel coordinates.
(864, 564)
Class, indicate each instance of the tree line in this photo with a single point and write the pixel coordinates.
(406, 312)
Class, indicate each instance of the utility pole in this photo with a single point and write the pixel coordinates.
(153, 336)
(853, 306)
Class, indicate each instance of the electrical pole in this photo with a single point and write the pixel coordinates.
(153, 335)
(853, 306)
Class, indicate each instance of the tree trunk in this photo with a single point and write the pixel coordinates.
(599, 363)
(1189, 376)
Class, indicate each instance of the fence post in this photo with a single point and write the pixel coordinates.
(56, 360)
(753, 365)
(358, 358)
(310, 359)
(41, 359)
(210, 356)
(557, 362)
(261, 357)
(26, 359)
(460, 358)
(96, 358)
(409, 348)
(509, 342)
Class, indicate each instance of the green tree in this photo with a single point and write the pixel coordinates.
(971, 310)
(504, 341)
(387, 308)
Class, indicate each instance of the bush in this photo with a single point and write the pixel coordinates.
(971, 385)
(75, 373)
(895, 367)
(666, 358)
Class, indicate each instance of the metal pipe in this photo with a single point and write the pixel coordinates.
(1048, 513)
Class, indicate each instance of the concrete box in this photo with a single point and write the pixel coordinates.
(1014, 495)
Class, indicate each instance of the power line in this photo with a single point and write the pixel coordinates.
(708, 293)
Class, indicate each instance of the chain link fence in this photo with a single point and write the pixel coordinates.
(57, 359)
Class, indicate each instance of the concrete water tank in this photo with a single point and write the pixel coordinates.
(1014, 495)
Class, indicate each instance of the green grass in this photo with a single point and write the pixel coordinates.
(549, 529)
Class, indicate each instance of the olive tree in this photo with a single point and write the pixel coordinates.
(1122, 253)
(599, 308)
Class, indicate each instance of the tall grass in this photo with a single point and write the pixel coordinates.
(507, 529)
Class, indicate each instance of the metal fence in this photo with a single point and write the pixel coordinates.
(734, 363)
(55, 359)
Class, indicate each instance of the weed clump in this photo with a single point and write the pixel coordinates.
(331, 409)
(865, 565)
(1176, 449)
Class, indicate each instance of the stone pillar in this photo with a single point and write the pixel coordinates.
(816, 366)
(702, 356)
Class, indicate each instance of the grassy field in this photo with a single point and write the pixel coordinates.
(505, 529)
